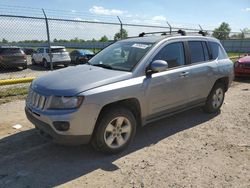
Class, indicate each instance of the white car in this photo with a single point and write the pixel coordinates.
(59, 56)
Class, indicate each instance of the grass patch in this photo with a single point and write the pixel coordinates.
(235, 54)
(11, 94)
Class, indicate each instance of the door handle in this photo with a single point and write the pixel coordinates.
(184, 74)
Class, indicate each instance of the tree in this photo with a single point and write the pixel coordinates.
(4, 41)
(245, 33)
(118, 34)
(104, 39)
(222, 32)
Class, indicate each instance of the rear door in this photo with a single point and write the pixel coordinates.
(39, 55)
(202, 71)
(167, 91)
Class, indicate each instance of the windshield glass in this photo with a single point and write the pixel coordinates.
(86, 52)
(121, 55)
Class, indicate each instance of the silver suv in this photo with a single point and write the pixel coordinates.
(130, 83)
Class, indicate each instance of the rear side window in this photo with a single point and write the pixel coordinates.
(173, 54)
(40, 50)
(196, 51)
(217, 51)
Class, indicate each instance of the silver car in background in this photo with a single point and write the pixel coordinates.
(130, 83)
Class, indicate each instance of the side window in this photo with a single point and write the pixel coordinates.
(196, 51)
(205, 50)
(217, 51)
(47, 50)
(173, 54)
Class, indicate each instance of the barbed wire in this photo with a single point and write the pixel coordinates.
(85, 16)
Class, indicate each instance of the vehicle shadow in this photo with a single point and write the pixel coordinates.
(10, 69)
(242, 79)
(27, 160)
(38, 67)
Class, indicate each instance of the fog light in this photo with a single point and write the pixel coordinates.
(61, 125)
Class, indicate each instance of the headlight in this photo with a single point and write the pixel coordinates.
(61, 103)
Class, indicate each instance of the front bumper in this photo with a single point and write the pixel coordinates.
(242, 72)
(64, 62)
(48, 131)
(13, 64)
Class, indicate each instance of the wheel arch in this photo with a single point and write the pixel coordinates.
(131, 104)
(224, 81)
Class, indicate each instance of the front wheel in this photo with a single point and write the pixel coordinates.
(25, 66)
(215, 98)
(45, 64)
(115, 130)
(33, 62)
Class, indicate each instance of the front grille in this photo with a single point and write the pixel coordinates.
(246, 65)
(36, 100)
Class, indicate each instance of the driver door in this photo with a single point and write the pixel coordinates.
(167, 91)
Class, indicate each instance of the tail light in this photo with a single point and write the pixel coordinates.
(24, 56)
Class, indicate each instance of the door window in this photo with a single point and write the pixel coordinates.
(173, 54)
(196, 51)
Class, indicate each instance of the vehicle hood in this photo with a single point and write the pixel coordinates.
(245, 59)
(73, 80)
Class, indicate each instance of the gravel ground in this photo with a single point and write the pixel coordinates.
(191, 149)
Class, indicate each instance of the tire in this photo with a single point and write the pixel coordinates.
(45, 64)
(33, 62)
(215, 98)
(25, 66)
(66, 65)
(77, 62)
(115, 130)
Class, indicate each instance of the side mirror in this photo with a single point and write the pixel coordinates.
(157, 66)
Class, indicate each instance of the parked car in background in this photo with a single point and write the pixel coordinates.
(59, 56)
(242, 66)
(28, 51)
(81, 56)
(12, 57)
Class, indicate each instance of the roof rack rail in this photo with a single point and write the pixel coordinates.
(180, 31)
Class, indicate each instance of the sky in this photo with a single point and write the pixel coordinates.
(179, 13)
(182, 12)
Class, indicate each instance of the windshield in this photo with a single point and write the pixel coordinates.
(10, 51)
(86, 52)
(121, 55)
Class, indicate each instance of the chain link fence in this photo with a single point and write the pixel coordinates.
(25, 30)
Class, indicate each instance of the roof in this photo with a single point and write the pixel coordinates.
(155, 39)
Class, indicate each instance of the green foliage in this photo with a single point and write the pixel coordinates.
(119, 36)
(222, 32)
(4, 41)
(104, 39)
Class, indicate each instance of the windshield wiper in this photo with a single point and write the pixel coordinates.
(103, 66)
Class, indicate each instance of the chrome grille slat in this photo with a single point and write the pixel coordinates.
(36, 100)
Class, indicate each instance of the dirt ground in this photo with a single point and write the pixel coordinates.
(191, 149)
